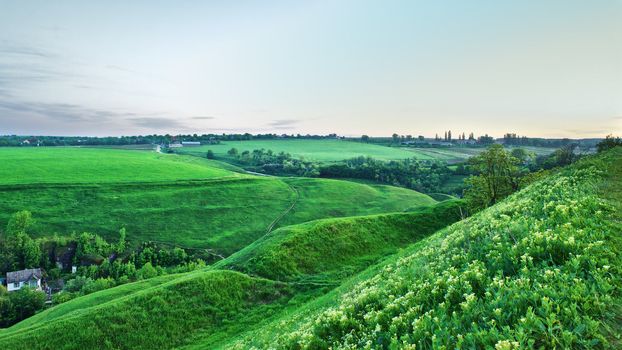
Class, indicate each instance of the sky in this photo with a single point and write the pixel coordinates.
(546, 68)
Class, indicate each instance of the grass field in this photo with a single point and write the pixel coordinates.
(317, 150)
(180, 200)
(215, 304)
(538, 270)
(337, 150)
(87, 165)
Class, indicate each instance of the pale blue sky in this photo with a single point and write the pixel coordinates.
(541, 68)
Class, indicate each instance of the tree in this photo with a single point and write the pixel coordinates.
(147, 271)
(521, 154)
(365, 138)
(395, 138)
(19, 222)
(608, 143)
(210, 154)
(497, 177)
(121, 244)
(20, 305)
(18, 250)
(233, 152)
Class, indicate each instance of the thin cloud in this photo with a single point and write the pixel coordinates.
(21, 50)
(202, 118)
(64, 112)
(156, 122)
(284, 123)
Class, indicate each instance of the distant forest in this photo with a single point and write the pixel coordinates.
(508, 139)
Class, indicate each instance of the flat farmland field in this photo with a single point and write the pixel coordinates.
(327, 151)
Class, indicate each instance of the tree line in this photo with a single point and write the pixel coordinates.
(100, 264)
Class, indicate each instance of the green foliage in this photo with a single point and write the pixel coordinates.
(19, 305)
(338, 247)
(17, 249)
(497, 177)
(19, 223)
(538, 270)
(423, 176)
(608, 143)
(166, 316)
(177, 203)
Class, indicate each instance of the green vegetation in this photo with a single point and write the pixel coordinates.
(216, 305)
(159, 317)
(45, 165)
(335, 248)
(540, 269)
(179, 200)
(313, 150)
(344, 265)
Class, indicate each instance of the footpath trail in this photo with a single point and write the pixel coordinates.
(278, 218)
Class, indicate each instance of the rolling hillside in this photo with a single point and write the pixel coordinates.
(327, 151)
(216, 304)
(540, 269)
(179, 200)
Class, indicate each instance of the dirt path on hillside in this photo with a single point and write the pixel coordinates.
(275, 221)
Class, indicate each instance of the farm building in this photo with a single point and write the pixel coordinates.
(190, 143)
(17, 279)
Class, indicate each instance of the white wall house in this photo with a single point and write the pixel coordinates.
(190, 143)
(25, 278)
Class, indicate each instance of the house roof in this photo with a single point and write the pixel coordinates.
(23, 275)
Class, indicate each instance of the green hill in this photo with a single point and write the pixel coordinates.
(180, 200)
(539, 270)
(158, 317)
(336, 248)
(216, 305)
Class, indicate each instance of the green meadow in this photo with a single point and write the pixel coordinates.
(175, 199)
(540, 269)
(327, 151)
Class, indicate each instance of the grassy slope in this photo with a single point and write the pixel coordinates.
(87, 165)
(336, 150)
(162, 317)
(541, 269)
(196, 307)
(172, 198)
(317, 150)
(321, 198)
(335, 248)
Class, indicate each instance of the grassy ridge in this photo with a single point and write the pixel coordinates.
(180, 200)
(539, 270)
(210, 307)
(169, 316)
(322, 198)
(336, 248)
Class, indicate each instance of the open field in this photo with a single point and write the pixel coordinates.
(327, 151)
(39, 165)
(179, 200)
(510, 270)
(316, 150)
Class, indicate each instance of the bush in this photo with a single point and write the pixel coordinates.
(608, 143)
(19, 305)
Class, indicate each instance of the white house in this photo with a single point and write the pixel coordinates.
(25, 278)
